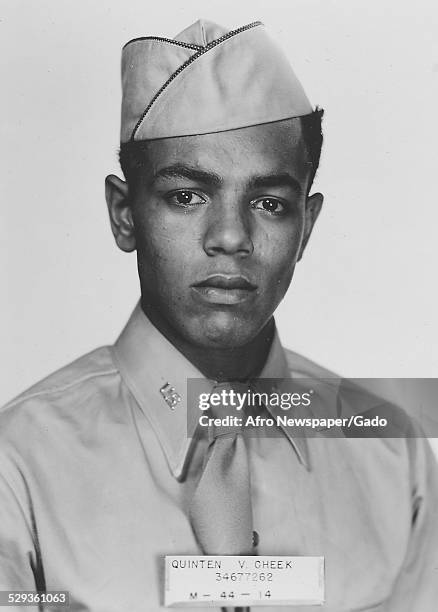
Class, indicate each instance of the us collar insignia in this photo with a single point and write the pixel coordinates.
(170, 396)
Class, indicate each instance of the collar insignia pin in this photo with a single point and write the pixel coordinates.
(171, 397)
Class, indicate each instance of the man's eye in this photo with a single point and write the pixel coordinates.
(185, 198)
(270, 205)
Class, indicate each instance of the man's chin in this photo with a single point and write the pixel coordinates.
(225, 331)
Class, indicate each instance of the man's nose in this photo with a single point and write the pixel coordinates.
(228, 231)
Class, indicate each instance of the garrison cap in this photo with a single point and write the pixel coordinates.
(207, 79)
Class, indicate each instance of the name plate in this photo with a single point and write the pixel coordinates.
(196, 580)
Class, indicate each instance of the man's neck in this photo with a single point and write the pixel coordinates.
(237, 363)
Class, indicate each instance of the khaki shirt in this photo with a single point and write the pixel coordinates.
(97, 472)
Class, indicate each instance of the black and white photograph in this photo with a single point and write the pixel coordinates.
(219, 329)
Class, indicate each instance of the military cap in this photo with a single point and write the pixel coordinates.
(207, 79)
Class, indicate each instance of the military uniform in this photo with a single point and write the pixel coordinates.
(97, 473)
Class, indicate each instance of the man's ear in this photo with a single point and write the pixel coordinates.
(312, 210)
(117, 199)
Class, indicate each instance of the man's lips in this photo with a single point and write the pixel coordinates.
(225, 289)
(227, 281)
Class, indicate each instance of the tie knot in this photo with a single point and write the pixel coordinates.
(227, 408)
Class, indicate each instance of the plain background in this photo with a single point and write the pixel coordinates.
(364, 299)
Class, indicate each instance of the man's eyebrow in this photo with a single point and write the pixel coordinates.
(190, 173)
(282, 179)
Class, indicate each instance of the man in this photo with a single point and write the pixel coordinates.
(105, 468)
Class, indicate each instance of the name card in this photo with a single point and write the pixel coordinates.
(196, 580)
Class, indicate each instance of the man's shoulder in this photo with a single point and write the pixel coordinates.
(357, 399)
(63, 387)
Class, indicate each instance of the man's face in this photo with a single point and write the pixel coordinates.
(220, 221)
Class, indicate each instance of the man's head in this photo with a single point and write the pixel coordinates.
(220, 218)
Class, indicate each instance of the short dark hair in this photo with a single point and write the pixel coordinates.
(311, 127)
(133, 154)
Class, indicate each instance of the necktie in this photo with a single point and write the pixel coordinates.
(220, 511)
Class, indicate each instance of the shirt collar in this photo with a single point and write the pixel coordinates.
(156, 374)
(275, 378)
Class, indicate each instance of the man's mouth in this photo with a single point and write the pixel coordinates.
(225, 289)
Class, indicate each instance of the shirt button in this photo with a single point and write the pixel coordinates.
(255, 539)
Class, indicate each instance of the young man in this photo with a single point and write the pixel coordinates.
(104, 468)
